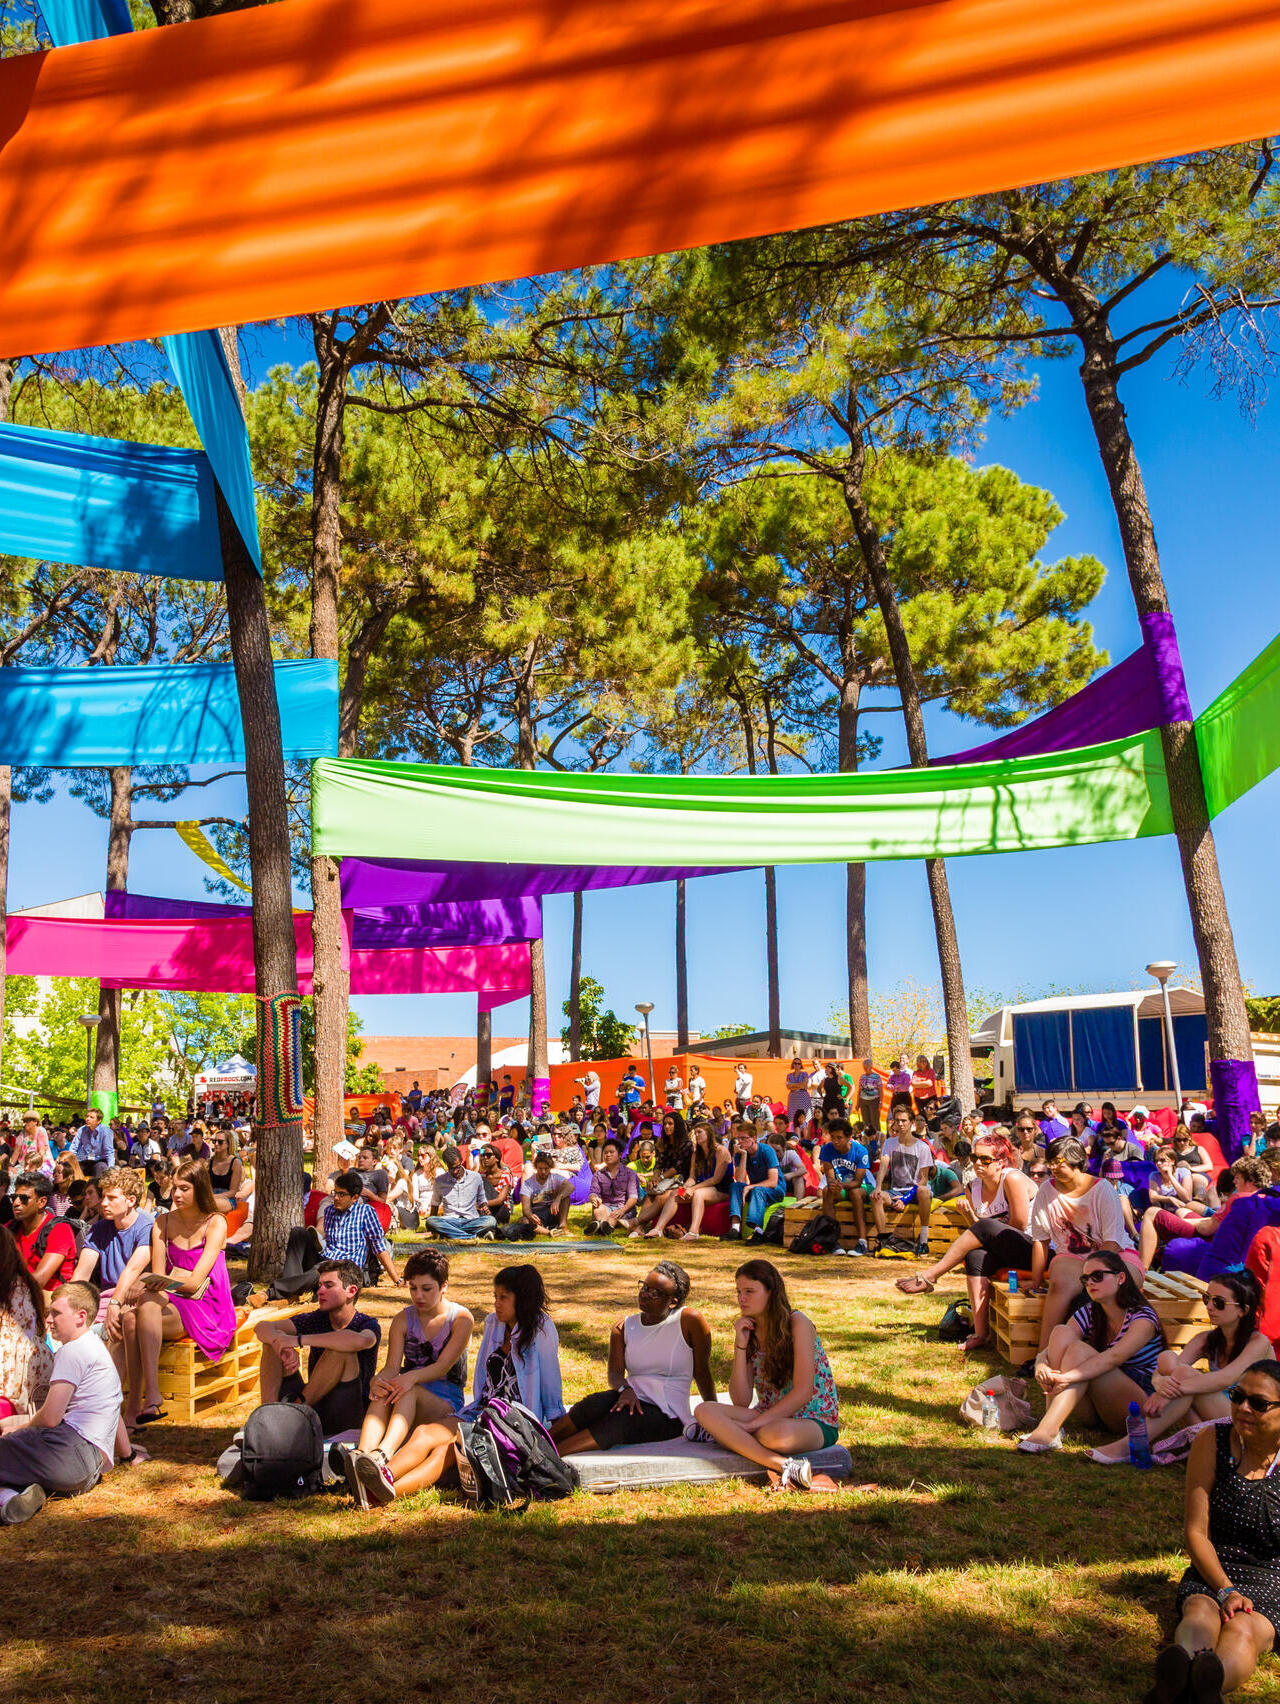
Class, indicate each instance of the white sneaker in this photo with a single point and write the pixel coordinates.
(373, 1478)
(797, 1473)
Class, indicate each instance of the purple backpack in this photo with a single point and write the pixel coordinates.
(512, 1459)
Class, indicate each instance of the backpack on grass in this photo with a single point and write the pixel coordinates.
(507, 1459)
(282, 1452)
(819, 1235)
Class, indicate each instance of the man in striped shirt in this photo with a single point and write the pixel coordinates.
(350, 1229)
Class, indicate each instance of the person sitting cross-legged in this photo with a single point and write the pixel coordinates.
(349, 1229)
(343, 1345)
(615, 1190)
(545, 1196)
(459, 1204)
(778, 1358)
(398, 1452)
(68, 1443)
(654, 1357)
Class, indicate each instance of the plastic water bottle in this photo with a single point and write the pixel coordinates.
(991, 1414)
(1139, 1444)
(1013, 1282)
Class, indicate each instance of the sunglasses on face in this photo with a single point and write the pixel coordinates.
(1218, 1303)
(23, 1200)
(1098, 1276)
(1246, 1399)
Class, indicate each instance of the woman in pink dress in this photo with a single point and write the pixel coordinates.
(187, 1246)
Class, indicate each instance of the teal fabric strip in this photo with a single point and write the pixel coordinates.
(107, 503)
(168, 713)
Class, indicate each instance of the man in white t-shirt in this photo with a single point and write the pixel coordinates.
(69, 1442)
(590, 1082)
(742, 1086)
(697, 1086)
(902, 1179)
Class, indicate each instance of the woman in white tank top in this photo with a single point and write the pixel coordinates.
(654, 1357)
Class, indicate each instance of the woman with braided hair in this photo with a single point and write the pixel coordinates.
(654, 1357)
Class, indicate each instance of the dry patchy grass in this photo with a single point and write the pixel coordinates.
(967, 1574)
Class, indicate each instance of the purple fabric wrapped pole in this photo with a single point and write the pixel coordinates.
(389, 882)
(471, 923)
(1145, 690)
(1235, 1096)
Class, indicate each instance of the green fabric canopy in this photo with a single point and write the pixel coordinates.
(1116, 791)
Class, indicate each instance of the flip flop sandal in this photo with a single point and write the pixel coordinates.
(149, 1416)
(916, 1285)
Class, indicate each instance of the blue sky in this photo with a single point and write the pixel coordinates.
(1091, 917)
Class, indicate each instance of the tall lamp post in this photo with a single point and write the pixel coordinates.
(1162, 970)
(644, 1007)
(90, 1020)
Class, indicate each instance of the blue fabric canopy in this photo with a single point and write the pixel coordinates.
(107, 503)
(90, 718)
(197, 357)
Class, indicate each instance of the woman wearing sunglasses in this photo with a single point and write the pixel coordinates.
(1101, 1359)
(1229, 1598)
(1229, 1348)
(998, 1207)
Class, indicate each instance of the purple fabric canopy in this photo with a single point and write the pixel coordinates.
(1144, 691)
(479, 922)
(393, 882)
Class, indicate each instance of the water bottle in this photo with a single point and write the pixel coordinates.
(1013, 1282)
(1139, 1444)
(991, 1414)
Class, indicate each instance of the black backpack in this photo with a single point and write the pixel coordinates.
(956, 1323)
(820, 1235)
(282, 1454)
(510, 1460)
(75, 1226)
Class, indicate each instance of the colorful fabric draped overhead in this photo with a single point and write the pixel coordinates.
(482, 922)
(107, 503)
(1239, 734)
(215, 955)
(410, 883)
(95, 717)
(281, 158)
(198, 359)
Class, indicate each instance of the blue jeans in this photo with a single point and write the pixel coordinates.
(446, 1226)
(759, 1201)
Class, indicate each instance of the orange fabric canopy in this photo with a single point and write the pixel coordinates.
(321, 151)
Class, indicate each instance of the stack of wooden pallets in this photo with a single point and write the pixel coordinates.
(945, 1223)
(1177, 1298)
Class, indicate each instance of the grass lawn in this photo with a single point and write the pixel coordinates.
(968, 1574)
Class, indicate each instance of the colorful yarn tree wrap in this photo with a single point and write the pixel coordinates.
(279, 1059)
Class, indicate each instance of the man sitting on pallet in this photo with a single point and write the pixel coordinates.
(845, 1164)
(351, 1230)
(905, 1164)
(343, 1345)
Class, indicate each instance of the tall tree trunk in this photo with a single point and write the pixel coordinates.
(855, 904)
(575, 983)
(106, 1041)
(484, 1052)
(682, 972)
(527, 757)
(332, 982)
(1228, 1021)
(771, 954)
(960, 1071)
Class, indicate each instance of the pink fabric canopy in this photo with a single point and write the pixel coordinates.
(202, 955)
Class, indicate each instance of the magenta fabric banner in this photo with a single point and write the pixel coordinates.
(478, 922)
(495, 973)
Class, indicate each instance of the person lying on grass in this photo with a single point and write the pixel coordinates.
(1229, 1598)
(1102, 1359)
(654, 1357)
(998, 1207)
(422, 1385)
(1231, 1346)
(779, 1360)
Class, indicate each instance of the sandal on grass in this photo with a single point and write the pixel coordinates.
(1032, 1446)
(916, 1285)
(149, 1416)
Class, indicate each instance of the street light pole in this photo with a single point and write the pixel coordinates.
(90, 1020)
(644, 1007)
(1162, 970)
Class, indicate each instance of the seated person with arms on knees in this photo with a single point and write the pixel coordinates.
(755, 1184)
(654, 1357)
(545, 1196)
(905, 1163)
(117, 1247)
(349, 1230)
(671, 1166)
(1073, 1213)
(710, 1166)
(398, 1449)
(845, 1164)
(1102, 1359)
(1231, 1346)
(47, 1244)
(998, 1208)
(777, 1357)
(186, 1293)
(68, 1443)
(459, 1207)
(519, 1354)
(615, 1190)
(1229, 1598)
(343, 1345)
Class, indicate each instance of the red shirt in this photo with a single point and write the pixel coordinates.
(509, 1152)
(61, 1240)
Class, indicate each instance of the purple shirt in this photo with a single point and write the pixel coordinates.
(615, 1191)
